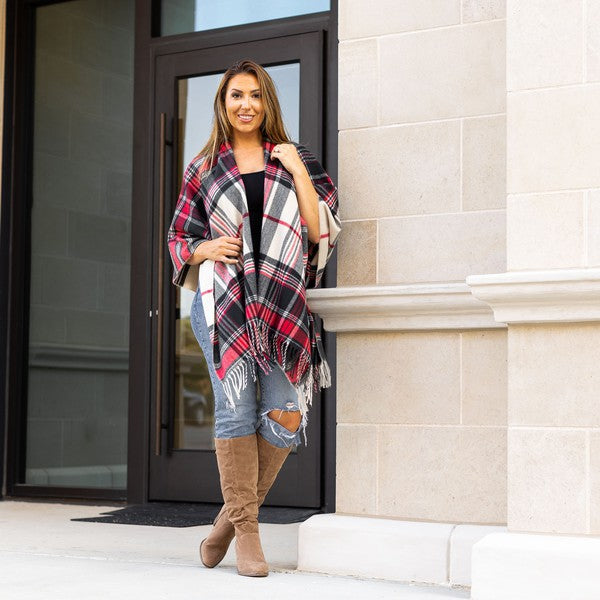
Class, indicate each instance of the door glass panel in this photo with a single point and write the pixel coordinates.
(183, 16)
(194, 402)
(77, 392)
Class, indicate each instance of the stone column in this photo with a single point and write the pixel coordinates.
(550, 297)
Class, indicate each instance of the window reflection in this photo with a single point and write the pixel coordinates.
(183, 16)
(78, 370)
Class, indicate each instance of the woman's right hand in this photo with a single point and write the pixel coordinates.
(225, 249)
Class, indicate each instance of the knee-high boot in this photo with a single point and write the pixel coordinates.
(270, 460)
(238, 470)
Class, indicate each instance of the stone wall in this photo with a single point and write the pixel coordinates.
(422, 148)
(553, 227)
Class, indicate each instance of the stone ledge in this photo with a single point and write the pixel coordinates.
(523, 566)
(408, 551)
(565, 295)
(432, 306)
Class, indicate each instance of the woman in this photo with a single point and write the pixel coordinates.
(255, 224)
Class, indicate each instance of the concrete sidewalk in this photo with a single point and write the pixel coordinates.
(45, 555)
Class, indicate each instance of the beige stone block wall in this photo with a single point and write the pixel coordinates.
(398, 384)
(552, 138)
(441, 247)
(592, 231)
(554, 375)
(357, 472)
(422, 425)
(544, 43)
(422, 157)
(546, 231)
(553, 453)
(548, 467)
(553, 133)
(442, 473)
(554, 460)
(422, 103)
(553, 222)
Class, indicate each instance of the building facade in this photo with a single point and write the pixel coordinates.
(460, 444)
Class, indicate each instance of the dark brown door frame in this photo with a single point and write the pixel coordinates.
(299, 482)
(14, 236)
(147, 48)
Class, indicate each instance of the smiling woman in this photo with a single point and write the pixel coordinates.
(258, 215)
(194, 427)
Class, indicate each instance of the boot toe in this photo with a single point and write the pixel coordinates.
(257, 571)
(207, 558)
(211, 555)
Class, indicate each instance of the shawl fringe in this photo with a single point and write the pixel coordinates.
(310, 371)
(281, 329)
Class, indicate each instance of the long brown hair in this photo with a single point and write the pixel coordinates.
(272, 127)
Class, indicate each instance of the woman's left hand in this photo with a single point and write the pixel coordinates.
(289, 157)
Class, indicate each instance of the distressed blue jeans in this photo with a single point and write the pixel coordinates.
(250, 414)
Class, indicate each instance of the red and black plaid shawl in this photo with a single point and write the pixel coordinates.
(253, 317)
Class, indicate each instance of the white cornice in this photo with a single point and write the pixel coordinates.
(401, 307)
(540, 296)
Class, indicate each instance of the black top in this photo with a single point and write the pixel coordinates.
(254, 184)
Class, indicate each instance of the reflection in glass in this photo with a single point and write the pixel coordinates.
(77, 389)
(183, 16)
(194, 402)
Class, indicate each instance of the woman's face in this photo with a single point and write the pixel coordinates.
(243, 104)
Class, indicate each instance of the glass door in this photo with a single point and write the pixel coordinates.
(71, 397)
(182, 460)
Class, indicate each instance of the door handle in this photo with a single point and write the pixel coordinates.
(163, 143)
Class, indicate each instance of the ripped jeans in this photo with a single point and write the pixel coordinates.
(250, 415)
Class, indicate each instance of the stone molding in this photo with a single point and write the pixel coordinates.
(423, 306)
(560, 295)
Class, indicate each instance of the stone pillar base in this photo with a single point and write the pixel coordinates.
(527, 566)
(407, 551)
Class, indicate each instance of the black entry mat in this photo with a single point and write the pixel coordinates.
(179, 514)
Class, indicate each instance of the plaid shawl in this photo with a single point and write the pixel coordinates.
(253, 317)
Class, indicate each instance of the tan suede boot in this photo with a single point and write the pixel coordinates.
(270, 460)
(238, 470)
(214, 547)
